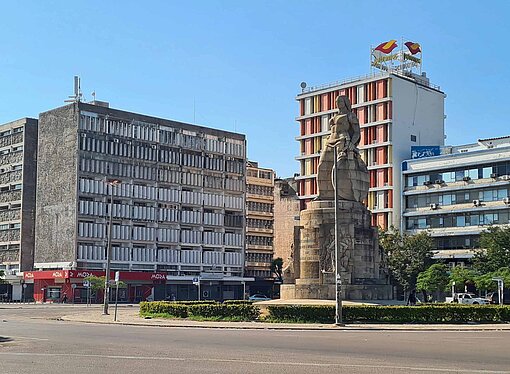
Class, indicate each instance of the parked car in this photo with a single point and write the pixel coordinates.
(259, 297)
(467, 298)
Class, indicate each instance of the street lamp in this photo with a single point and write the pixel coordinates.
(338, 279)
(112, 183)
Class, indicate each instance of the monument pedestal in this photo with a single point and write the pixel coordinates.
(359, 258)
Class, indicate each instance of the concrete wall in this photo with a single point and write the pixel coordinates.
(28, 198)
(286, 210)
(56, 203)
(419, 111)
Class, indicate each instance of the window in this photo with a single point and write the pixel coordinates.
(413, 138)
(486, 172)
(17, 129)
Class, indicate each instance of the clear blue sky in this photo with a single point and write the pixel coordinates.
(241, 62)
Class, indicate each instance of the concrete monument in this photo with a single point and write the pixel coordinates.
(359, 258)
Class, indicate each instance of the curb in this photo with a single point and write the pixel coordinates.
(503, 327)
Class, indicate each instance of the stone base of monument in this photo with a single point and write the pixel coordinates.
(327, 292)
(359, 256)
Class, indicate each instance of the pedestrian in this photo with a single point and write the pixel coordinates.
(64, 298)
(411, 300)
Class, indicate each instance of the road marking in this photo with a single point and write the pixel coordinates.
(279, 363)
(27, 338)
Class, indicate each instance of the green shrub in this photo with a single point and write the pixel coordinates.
(243, 312)
(301, 313)
(242, 302)
(216, 311)
(440, 313)
(148, 308)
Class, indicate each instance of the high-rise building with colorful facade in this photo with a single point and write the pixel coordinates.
(395, 111)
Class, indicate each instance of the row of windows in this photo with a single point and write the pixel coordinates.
(458, 242)
(422, 201)
(259, 240)
(259, 257)
(473, 219)
(259, 223)
(464, 174)
(259, 207)
(169, 156)
(11, 131)
(10, 226)
(259, 190)
(161, 174)
(162, 134)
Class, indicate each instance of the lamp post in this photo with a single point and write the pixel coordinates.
(338, 279)
(112, 183)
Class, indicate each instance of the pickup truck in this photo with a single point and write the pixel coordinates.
(467, 298)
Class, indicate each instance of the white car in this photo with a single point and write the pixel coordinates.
(469, 298)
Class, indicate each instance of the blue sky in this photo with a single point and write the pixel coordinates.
(239, 63)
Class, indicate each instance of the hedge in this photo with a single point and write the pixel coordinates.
(214, 310)
(390, 314)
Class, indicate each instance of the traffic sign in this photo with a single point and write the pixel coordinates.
(117, 276)
(196, 281)
(73, 285)
(86, 284)
(25, 285)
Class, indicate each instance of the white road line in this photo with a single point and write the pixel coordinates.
(26, 338)
(279, 363)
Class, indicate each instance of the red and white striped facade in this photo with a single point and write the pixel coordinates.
(395, 112)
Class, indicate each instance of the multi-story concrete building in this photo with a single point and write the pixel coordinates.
(457, 195)
(178, 204)
(18, 167)
(395, 112)
(259, 227)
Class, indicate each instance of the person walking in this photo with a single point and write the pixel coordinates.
(411, 300)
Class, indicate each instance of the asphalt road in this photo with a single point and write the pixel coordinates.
(31, 343)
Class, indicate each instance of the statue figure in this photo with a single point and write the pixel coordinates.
(345, 136)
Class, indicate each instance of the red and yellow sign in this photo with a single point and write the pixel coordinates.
(414, 48)
(387, 47)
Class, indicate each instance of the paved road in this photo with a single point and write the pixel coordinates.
(30, 343)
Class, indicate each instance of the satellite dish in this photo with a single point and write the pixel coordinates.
(303, 85)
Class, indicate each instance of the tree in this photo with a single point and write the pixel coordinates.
(495, 252)
(97, 283)
(486, 282)
(434, 279)
(277, 268)
(461, 276)
(406, 255)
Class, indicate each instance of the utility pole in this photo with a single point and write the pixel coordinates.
(338, 280)
(112, 184)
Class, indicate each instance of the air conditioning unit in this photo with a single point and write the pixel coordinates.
(477, 202)
(506, 200)
(494, 175)
(427, 183)
(466, 179)
(434, 206)
(439, 181)
(505, 177)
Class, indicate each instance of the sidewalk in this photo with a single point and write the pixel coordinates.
(129, 316)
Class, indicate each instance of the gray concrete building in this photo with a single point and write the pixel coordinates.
(456, 194)
(18, 166)
(178, 207)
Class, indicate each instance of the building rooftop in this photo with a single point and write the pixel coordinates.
(420, 79)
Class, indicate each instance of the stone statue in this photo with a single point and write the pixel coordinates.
(353, 181)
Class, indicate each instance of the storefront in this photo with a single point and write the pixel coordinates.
(68, 285)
